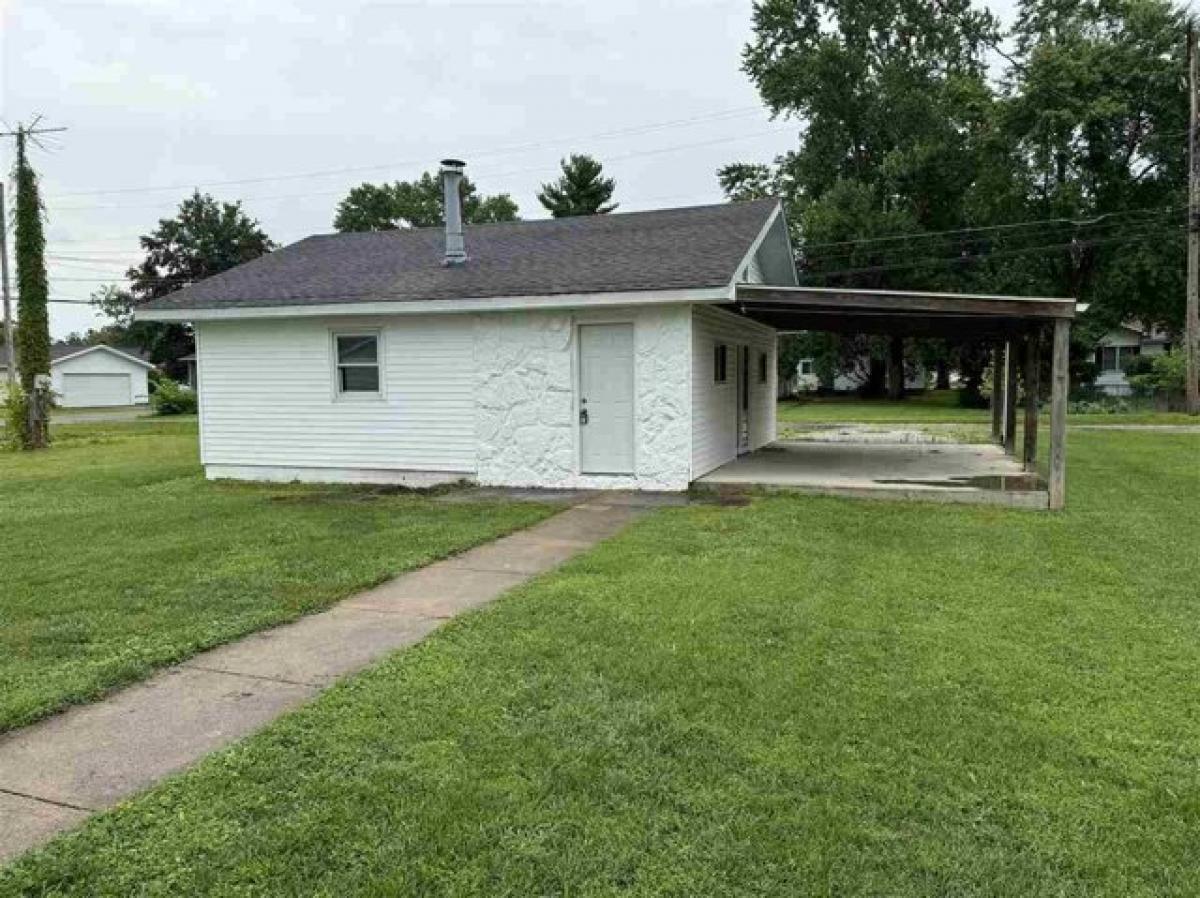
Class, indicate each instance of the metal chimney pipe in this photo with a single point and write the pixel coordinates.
(452, 175)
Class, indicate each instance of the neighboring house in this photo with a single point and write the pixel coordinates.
(1120, 345)
(805, 380)
(574, 352)
(94, 376)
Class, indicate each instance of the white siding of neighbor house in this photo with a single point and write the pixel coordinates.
(1115, 383)
(268, 402)
(101, 362)
(714, 405)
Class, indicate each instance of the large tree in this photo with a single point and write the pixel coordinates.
(914, 170)
(582, 189)
(204, 238)
(1096, 113)
(416, 204)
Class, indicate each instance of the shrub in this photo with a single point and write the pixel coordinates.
(1166, 373)
(1108, 405)
(16, 411)
(171, 398)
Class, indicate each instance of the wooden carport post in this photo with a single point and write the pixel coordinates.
(1030, 377)
(1059, 383)
(1010, 397)
(998, 393)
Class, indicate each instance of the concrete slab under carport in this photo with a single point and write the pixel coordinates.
(932, 472)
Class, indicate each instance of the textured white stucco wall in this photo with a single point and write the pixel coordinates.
(526, 414)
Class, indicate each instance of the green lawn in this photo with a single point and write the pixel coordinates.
(933, 407)
(118, 557)
(806, 696)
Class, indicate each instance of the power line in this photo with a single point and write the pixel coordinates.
(484, 174)
(517, 148)
(916, 235)
(936, 261)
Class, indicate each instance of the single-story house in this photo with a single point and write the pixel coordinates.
(95, 376)
(603, 351)
(1121, 344)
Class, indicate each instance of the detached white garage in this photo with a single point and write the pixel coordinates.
(98, 376)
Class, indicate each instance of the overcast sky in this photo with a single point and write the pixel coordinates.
(285, 96)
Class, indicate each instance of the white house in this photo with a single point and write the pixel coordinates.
(805, 380)
(603, 351)
(1118, 346)
(93, 376)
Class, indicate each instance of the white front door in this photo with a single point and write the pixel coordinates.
(606, 398)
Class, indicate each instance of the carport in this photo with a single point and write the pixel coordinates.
(1017, 327)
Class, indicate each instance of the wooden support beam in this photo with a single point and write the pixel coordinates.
(1010, 397)
(998, 393)
(1030, 378)
(1059, 384)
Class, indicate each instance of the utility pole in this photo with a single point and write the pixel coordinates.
(1192, 321)
(32, 300)
(10, 355)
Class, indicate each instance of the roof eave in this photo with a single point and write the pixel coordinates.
(713, 294)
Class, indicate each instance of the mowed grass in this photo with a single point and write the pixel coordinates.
(805, 696)
(118, 557)
(935, 407)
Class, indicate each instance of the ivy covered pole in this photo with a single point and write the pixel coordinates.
(10, 360)
(33, 336)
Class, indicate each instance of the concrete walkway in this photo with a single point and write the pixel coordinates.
(56, 773)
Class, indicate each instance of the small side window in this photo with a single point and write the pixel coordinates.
(806, 367)
(357, 363)
(721, 363)
(762, 367)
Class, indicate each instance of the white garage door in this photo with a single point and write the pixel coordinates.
(88, 390)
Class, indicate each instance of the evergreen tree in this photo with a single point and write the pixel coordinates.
(581, 190)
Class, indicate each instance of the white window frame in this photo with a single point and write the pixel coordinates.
(340, 395)
(806, 367)
(1122, 353)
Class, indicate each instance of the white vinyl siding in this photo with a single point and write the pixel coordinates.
(269, 397)
(714, 405)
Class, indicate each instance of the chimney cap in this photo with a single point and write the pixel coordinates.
(453, 164)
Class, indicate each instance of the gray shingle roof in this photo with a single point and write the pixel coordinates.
(661, 250)
(62, 350)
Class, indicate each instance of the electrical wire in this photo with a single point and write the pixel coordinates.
(501, 151)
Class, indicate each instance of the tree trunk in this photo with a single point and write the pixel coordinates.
(895, 386)
(876, 383)
(943, 374)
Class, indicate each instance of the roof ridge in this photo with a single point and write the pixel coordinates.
(599, 217)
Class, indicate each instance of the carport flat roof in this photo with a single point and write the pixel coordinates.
(898, 312)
